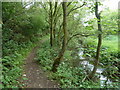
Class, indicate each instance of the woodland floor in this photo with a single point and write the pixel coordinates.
(36, 77)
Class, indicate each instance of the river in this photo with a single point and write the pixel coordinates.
(88, 66)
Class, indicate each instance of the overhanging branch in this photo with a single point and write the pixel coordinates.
(78, 34)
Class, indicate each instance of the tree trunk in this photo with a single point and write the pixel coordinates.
(53, 22)
(99, 42)
(61, 54)
(55, 19)
(51, 25)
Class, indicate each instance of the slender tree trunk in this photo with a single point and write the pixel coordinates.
(51, 25)
(53, 22)
(55, 19)
(61, 54)
(99, 42)
(54, 28)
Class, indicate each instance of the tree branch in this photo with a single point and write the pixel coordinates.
(55, 9)
(69, 4)
(78, 34)
(76, 8)
(44, 7)
(27, 4)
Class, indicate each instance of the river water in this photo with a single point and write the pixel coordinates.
(88, 66)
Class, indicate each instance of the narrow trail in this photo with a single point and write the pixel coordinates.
(36, 78)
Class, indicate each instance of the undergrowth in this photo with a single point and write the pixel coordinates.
(67, 75)
(14, 54)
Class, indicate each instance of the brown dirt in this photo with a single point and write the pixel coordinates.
(36, 77)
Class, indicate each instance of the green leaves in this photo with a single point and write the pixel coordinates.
(12, 60)
(25, 78)
(109, 22)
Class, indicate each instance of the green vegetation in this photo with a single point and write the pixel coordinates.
(111, 42)
(20, 35)
(12, 66)
(72, 76)
(75, 51)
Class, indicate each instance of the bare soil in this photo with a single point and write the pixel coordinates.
(36, 77)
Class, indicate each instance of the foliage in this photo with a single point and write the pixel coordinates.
(67, 75)
(110, 22)
(20, 31)
(21, 20)
(22, 24)
(45, 56)
(109, 54)
(12, 65)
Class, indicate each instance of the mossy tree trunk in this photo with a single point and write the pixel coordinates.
(61, 54)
